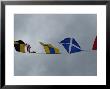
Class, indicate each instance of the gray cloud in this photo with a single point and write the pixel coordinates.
(52, 29)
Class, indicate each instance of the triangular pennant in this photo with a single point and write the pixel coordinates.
(95, 44)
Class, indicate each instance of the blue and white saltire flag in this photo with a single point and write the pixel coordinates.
(71, 45)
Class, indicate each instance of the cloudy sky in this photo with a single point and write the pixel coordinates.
(52, 28)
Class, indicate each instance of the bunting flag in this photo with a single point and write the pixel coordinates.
(50, 49)
(95, 44)
(20, 46)
(71, 45)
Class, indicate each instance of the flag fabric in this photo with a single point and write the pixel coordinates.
(20, 46)
(95, 44)
(50, 49)
(70, 45)
(28, 48)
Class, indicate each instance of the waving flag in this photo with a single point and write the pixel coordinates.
(20, 46)
(71, 45)
(95, 44)
(50, 49)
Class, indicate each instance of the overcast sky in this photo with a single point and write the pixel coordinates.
(52, 29)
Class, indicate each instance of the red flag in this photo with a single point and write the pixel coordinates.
(95, 44)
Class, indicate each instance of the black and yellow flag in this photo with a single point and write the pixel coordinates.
(20, 46)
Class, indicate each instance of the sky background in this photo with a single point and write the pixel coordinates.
(52, 28)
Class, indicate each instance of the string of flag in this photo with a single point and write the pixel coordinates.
(69, 44)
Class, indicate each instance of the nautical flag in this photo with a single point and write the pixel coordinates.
(95, 44)
(20, 46)
(50, 49)
(71, 45)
